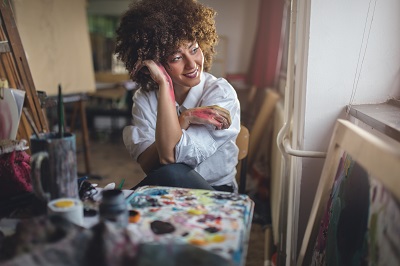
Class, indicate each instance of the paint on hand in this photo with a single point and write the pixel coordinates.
(140, 66)
(211, 116)
(169, 81)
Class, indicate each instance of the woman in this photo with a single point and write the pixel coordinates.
(185, 121)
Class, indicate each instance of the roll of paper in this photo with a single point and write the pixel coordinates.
(69, 208)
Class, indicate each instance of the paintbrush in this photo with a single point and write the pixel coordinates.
(121, 184)
(60, 112)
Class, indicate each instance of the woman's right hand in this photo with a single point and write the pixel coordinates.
(206, 115)
(156, 71)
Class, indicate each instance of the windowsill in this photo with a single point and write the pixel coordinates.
(384, 117)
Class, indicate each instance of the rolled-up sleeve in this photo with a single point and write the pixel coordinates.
(195, 145)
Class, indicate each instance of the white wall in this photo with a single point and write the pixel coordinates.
(235, 19)
(334, 42)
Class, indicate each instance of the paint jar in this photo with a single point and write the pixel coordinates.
(114, 208)
(69, 208)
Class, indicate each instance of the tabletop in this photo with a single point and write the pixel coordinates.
(167, 226)
(216, 222)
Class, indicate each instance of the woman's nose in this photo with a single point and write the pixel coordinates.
(190, 62)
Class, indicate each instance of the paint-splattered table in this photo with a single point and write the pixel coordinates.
(217, 223)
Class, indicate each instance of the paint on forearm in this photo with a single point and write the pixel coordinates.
(171, 88)
(169, 81)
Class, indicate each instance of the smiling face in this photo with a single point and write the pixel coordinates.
(185, 66)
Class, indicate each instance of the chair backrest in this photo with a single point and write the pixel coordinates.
(242, 141)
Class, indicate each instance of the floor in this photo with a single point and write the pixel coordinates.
(110, 162)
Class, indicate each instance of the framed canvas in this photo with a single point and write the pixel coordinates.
(354, 214)
(56, 39)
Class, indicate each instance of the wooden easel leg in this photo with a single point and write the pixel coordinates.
(85, 134)
(74, 114)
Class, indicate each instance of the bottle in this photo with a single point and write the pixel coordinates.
(114, 208)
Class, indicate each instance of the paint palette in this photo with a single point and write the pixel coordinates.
(217, 222)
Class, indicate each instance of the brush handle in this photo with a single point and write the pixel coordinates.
(60, 112)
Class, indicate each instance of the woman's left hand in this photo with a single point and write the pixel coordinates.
(206, 115)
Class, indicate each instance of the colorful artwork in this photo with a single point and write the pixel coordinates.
(217, 222)
(384, 226)
(358, 226)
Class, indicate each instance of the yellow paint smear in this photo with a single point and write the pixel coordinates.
(64, 204)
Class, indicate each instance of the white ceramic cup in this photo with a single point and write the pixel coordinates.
(69, 208)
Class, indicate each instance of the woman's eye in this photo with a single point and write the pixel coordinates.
(176, 58)
(194, 50)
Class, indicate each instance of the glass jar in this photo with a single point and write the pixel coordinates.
(114, 208)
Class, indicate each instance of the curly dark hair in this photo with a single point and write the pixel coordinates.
(154, 29)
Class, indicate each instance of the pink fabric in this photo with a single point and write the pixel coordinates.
(263, 66)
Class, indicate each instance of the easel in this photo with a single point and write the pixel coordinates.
(14, 67)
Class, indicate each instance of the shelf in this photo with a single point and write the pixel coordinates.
(384, 117)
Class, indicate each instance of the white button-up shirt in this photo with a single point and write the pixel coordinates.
(212, 153)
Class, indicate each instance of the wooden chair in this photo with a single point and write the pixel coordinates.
(242, 142)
